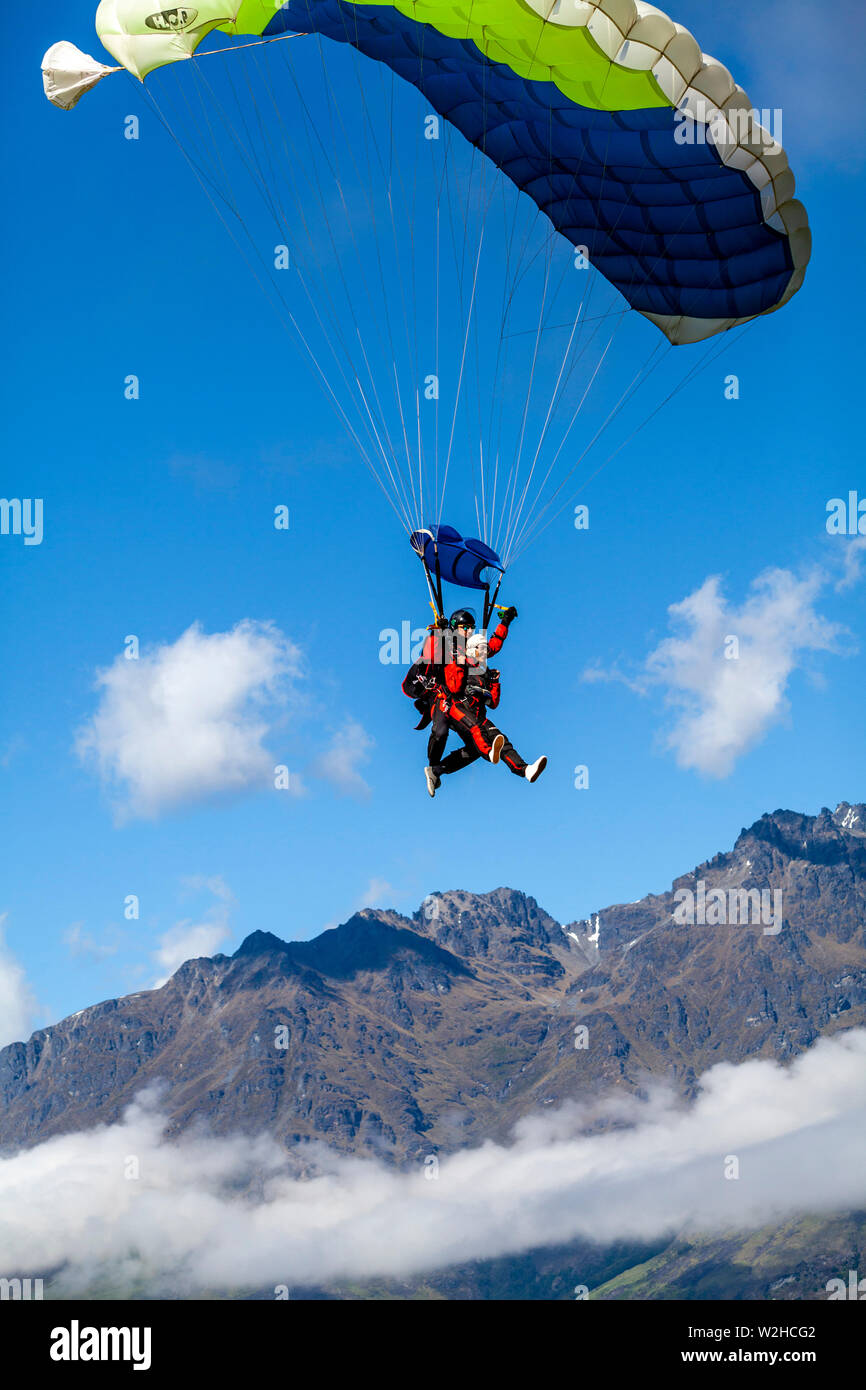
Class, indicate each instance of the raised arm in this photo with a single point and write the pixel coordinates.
(501, 631)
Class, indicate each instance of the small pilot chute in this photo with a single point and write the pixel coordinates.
(67, 74)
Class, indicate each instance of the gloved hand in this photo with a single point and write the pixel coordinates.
(441, 623)
(508, 615)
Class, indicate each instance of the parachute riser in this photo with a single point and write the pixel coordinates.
(435, 592)
(439, 598)
(490, 603)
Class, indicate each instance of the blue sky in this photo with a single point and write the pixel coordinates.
(158, 517)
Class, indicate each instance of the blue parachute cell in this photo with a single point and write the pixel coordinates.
(462, 559)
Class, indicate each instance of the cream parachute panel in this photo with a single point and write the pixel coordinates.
(636, 35)
(142, 38)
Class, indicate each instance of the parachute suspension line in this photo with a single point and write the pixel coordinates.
(515, 528)
(515, 468)
(693, 371)
(475, 429)
(482, 520)
(641, 377)
(409, 318)
(547, 420)
(376, 418)
(512, 282)
(387, 448)
(468, 320)
(333, 167)
(441, 175)
(494, 443)
(368, 133)
(424, 469)
(460, 376)
(551, 240)
(326, 297)
(705, 361)
(642, 374)
(512, 540)
(514, 525)
(270, 291)
(396, 502)
(502, 358)
(508, 297)
(371, 136)
(493, 494)
(488, 173)
(509, 542)
(459, 280)
(282, 229)
(438, 345)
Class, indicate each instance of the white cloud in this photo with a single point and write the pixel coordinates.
(17, 1002)
(187, 720)
(83, 943)
(854, 558)
(374, 894)
(725, 704)
(225, 1212)
(187, 940)
(340, 763)
(378, 890)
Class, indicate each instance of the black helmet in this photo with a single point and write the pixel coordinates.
(464, 617)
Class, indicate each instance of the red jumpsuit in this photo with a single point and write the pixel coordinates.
(459, 701)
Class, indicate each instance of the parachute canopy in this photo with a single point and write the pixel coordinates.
(454, 558)
(638, 147)
(439, 176)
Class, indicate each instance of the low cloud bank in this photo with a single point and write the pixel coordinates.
(220, 1213)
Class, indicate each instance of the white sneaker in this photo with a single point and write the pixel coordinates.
(496, 748)
(534, 770)
(433, 780)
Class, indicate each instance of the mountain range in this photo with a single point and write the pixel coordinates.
(410, 1036)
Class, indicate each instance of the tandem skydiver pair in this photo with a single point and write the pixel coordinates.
(453, 688)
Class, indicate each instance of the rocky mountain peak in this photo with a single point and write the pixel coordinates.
(260, 943)
(502, 926)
